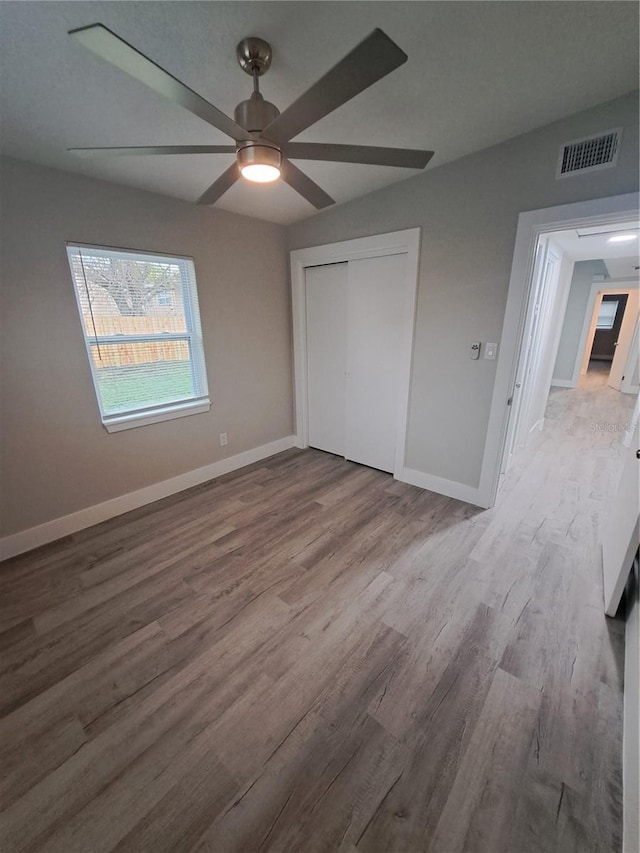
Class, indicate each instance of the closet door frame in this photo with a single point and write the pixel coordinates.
(405, 242)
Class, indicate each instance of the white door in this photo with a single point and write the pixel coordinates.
(620, 540)
(625, 338)
(355, 314)
(544, 280)
(326, 288)
(631, 379)
(535, 389)
(375, 310)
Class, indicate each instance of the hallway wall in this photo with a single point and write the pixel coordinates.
(583, 273)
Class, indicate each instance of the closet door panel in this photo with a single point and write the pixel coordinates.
(326, 295)
(375, 309)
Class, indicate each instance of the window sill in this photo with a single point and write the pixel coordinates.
(116, 423)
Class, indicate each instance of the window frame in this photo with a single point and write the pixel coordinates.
(146, 415)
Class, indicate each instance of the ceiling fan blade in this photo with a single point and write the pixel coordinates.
(219, 187)
(154, 149)
(110, 47)
(370, 61)
(368, 154)
(303, 184)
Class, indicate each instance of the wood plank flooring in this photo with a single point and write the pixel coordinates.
(308, 656)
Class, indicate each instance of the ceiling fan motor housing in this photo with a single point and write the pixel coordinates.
(255, 113)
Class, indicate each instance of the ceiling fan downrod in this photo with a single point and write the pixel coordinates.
(254, 114)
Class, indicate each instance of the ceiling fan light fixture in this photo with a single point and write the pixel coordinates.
(260, 173)
(259, 163)
(622, 238)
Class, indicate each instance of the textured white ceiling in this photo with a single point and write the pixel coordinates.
(596, 245)
(478, 73)
(588, 244)
(622, 267)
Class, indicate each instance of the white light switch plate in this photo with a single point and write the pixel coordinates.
(490, 350)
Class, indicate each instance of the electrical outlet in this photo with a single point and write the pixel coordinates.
(223, 439)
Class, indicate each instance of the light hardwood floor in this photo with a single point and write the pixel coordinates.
(308, 656)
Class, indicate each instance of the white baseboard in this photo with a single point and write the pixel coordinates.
(563, 383)
(539, 425)
(449, 488)
(26, 540)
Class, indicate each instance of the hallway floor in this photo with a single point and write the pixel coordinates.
(309, 656)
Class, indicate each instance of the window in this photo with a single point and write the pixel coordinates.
(607, 314)
(141, 325)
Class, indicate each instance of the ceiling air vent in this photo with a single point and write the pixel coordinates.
(589, 154)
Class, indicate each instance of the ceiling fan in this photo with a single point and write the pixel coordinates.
(262, 134)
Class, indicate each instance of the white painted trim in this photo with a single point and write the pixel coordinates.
(394, 243)
(563, 383)
(34, 537)
(531, 225)
(449, 488)
(598, 288)
(166, 413)
(193, 335)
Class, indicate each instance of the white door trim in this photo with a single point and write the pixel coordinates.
(394, 243)
(531, 225)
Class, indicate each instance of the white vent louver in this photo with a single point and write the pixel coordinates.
(589, 154)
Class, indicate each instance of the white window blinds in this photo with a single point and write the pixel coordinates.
(607, 314)
(141, 324)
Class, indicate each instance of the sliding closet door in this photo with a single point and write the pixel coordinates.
(326, 355)
(375, 311)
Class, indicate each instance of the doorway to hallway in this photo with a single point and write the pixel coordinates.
(608, 323)
(582, 317)
(612, 336)
(584, 218)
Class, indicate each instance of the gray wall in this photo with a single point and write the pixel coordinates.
(583, 273)
(468, 212)
(56, 457)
